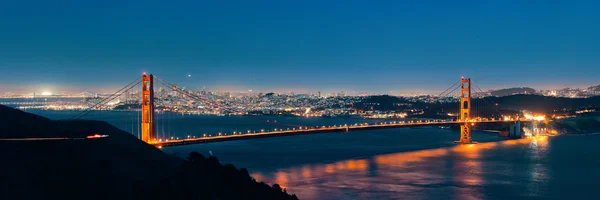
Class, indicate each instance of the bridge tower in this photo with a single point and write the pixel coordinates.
(465, 111)
(148, 108)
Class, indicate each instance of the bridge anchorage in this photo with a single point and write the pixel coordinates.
(465, 119)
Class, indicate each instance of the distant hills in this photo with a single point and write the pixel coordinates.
(565, 92)
(513, 91)
(382, 102)
(539, 103)
(594, 88)
(491, 105)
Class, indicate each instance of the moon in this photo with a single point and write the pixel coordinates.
(189, 75)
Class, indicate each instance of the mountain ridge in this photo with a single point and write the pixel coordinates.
(119, 166)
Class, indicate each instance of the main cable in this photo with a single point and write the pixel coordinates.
(104, 101)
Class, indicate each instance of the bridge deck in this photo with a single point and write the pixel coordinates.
(244, 136)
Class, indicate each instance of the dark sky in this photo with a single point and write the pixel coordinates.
(307, 45)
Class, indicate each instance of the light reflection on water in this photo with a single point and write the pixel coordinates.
(319, 166)
(459, 172)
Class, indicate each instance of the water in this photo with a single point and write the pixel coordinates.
(386, 165)
(176, 125)
(11, 101)
(411, 163)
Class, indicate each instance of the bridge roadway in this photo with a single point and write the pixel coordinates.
(324, 129)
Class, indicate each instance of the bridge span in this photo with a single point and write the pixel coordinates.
(323, 129)
(465, 118)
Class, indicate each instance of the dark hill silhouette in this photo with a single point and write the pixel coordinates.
(117, 167)
(14, 122)
(546, 104)
(506, 105)
(382, 102)
(513, 91)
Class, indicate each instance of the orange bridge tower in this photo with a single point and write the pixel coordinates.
(465, 111)
(148, 108)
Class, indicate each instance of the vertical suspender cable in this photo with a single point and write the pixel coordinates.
(132, 120)
(169, 117)
(459, 112)
(163, 124)
(131, 114)
(138, 124)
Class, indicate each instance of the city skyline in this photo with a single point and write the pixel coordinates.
(411, 47)
(560, 92)
(401, 90)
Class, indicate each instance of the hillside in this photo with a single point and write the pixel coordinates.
(513, 91)
(383, 102)
(116, 167)
(594, 88)
(543, 103)
(506, 105)
(585, 123)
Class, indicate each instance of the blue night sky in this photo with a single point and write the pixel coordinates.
(378, 46)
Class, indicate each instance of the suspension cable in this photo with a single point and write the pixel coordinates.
(456, 88)
(492, 102)
(454, 85)
(104, 101)
(112, 97)
(198, 98)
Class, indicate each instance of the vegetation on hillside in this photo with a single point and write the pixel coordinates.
(116, 167)
(205, 178)
(493, 105)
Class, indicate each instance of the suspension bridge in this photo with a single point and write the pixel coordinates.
(465, 118)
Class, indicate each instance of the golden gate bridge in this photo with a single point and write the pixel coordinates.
(465, 118)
